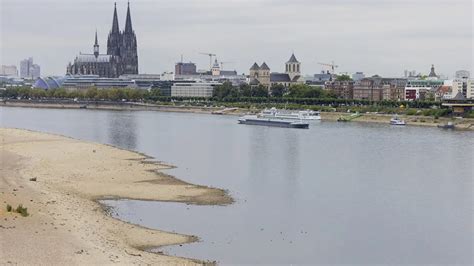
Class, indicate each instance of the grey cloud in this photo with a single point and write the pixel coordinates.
(376, 36)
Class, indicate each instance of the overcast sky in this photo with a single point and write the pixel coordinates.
(374, 36)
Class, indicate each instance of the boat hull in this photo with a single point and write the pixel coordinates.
(446, 126)
(273, 123)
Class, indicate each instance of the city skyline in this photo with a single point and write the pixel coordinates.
(384, 37)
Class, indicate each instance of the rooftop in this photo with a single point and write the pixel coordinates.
(255, 67)
(293, 59)
(279, 77)
(91, 58)
(264, 66)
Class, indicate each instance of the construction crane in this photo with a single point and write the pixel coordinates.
(210, 58)
(225, 63)
(332, 66)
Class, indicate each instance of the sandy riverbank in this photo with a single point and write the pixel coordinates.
(66, 225)
(111, 106)
(424, 121)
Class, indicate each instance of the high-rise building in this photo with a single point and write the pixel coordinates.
(29, 70)
(25, 66)
(462, 74)
(35, 71)
(9, 71)
(121, 57)
(462, 84)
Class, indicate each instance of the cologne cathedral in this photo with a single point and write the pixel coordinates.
(121, 57)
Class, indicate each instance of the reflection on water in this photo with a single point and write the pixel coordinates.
(122, 130)
(333, 194)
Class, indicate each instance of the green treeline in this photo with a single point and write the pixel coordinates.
(227, 91)
(115, 94)
(226, 94)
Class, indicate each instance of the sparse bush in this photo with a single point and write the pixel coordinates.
(411, 112)
(22, 210)
(9, 208)
(469, 114)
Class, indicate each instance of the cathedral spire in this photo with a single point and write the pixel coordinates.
(96, 46)
(128, 22)
(115, 25)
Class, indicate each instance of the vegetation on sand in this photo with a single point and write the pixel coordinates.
(20, 209)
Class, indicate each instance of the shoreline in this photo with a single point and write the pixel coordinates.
(67, 223)
(412, 120)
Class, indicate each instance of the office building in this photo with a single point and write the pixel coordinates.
(470, 89)
(358, 76)
(9, 71)
(191, 89)
(29, 70)
(419, 89)
(95, 81)
(377, 89)
(462, 74)
(342, 89)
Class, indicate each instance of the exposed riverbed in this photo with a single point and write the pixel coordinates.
(336, 193)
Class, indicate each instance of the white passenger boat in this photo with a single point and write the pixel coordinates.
(272, 122)
(395, 121)
(289, 115)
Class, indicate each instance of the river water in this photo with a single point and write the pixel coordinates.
(338, 193)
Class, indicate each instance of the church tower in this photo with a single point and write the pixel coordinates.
(254, 71)
(96, 46)
(216, 70)
(264, 75)
(115, 37)
(293, 67)
(128, 49)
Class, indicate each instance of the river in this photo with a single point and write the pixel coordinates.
(338, 193)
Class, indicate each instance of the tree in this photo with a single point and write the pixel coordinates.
(24, 92)
(277, 90)
(91, 93)
(343, 78)
(60, 93)
(306, 91)
(101, 95)
(245, 90)
(115, 94)
(154, 92)
(260, 91)
(37, 93)
(225, 90)
(329, 94)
